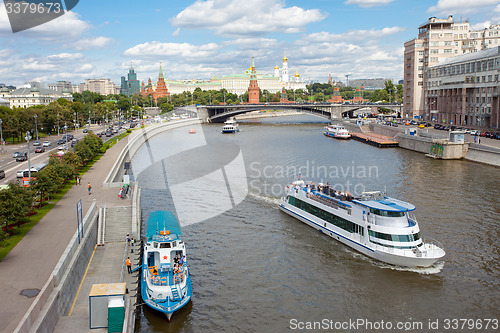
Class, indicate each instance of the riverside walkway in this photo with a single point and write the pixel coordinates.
(30, 264)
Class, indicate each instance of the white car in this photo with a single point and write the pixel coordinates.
(20, 173)
(46, 143)
(61, 147)
(474, 132)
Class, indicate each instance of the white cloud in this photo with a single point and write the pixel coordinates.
(354, 35)
(461, 6)
(368, 3)
(253, 43)
(176, 32)
(246, 18)
(99, 42)
(157, 49)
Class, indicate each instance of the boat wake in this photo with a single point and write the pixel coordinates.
(274, 201)
(435, 268)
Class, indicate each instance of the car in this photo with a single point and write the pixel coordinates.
(61, 142)
(421, 126)
(61, 147)
(437, 126)
(2, 174)
(23, 157)
(20, 174)
(474, 132)
(85, 130)
(37, 143)
(39, 150)
(46, 144)
(16, 154)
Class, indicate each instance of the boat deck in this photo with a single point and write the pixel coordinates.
(376, 140)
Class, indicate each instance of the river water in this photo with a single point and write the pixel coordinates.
(256, 269)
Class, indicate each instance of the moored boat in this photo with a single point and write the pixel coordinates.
(337, 131)
(374, 224)
(192, 131)
(165, 280)
(230, 126)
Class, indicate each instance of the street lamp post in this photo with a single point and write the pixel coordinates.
(89, 120)
(58, 124)
(36, 127)
(28, 138)
(75, 120)
(1, 134)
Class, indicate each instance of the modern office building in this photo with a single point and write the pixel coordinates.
(438, 40)
(465, 90)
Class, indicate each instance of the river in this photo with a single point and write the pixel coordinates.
(256, 269)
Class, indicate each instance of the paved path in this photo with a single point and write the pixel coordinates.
(31, 262)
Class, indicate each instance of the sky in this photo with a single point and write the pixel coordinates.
(211, 38)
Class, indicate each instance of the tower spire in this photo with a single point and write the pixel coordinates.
(161, 72)
(131, 68)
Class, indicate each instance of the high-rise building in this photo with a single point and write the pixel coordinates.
(253, 88)
(438, 40)
(130, 85)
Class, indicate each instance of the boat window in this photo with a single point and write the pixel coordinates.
(165, 245)
(174, 244)
(394, 238)
(155, 244)
(386, 213)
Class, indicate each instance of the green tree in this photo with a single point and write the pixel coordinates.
(16, 203)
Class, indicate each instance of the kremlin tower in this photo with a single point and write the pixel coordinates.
(161, 87)
(253, 88)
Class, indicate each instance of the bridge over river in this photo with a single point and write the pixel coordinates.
(219, 113)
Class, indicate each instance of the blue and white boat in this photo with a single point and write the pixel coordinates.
(230, 126)
(165, 281)
(374, 224)
(337, 131)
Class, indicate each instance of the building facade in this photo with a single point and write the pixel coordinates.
(465, 90)
(26, 97)
(438, 40)
(101, 86)
(61, 85)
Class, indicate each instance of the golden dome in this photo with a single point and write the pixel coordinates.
(297, 73)
(276, 67)
(285, 58)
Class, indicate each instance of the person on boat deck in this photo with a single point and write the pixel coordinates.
(181, 260)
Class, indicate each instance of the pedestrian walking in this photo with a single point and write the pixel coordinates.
(90, 188)
(129, 265)
(479, 141)
(128, 239)
(79, 180)
(76, 180)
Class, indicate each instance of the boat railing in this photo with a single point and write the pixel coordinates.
(429, 249)
(327, 201)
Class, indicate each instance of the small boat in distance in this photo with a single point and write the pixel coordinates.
(165, 280)
(337, 131)
(230, 126)
(192, 131)
(374, 224)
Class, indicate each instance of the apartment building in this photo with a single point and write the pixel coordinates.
(465, 90)
(101, 86)
(437, 41)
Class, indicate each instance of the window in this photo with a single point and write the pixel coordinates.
(420, 52)
(326, 216)
(386, 213)
(434, 51)
(447, 51)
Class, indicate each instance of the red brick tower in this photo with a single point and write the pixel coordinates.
(253, 88)
(161, 86)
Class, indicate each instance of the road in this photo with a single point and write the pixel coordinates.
(10, 166)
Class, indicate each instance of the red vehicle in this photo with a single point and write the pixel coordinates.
(39, 150)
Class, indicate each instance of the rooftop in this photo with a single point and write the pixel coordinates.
(470, 56)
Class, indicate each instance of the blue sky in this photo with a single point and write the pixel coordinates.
(211, 38)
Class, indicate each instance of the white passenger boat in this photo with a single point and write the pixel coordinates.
(337, 131)
(165, 280)
(376, 225)
(230, 126)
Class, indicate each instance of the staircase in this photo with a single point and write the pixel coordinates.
(175, 293)
(118, 224)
